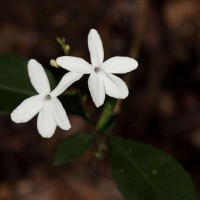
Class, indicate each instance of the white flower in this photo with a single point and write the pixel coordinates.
(46, 103)
(101, 80)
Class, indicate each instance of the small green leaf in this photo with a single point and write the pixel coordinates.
(145, 173)
(107, 115)
(15, 84)
(73, 147)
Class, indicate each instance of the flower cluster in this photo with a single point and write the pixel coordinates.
(101, 81)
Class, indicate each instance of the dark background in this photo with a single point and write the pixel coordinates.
(163, 108)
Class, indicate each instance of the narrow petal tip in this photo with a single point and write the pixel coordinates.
(45, 135)
(32, 61)
(66, 127)
(98, 105)
(14, 118)
(135, 63)
(93, 31)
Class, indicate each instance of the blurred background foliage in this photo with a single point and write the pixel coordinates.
(163, 108)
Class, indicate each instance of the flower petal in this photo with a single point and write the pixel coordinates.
(38, 77)
(27, 109)
(96, 48)
(119, 65)
(59, 114)
(74, 64)
(96, 88)
(115, 86)
(46, 123)
(65, 82)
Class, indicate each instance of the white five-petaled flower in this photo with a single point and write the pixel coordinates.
(101, 80)
(46, 103)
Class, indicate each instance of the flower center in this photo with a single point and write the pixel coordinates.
(48, 97)
(96, 69)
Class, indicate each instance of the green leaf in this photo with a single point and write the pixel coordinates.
(15, 84)
(73, 147)
(107, 115)
(145, 173)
